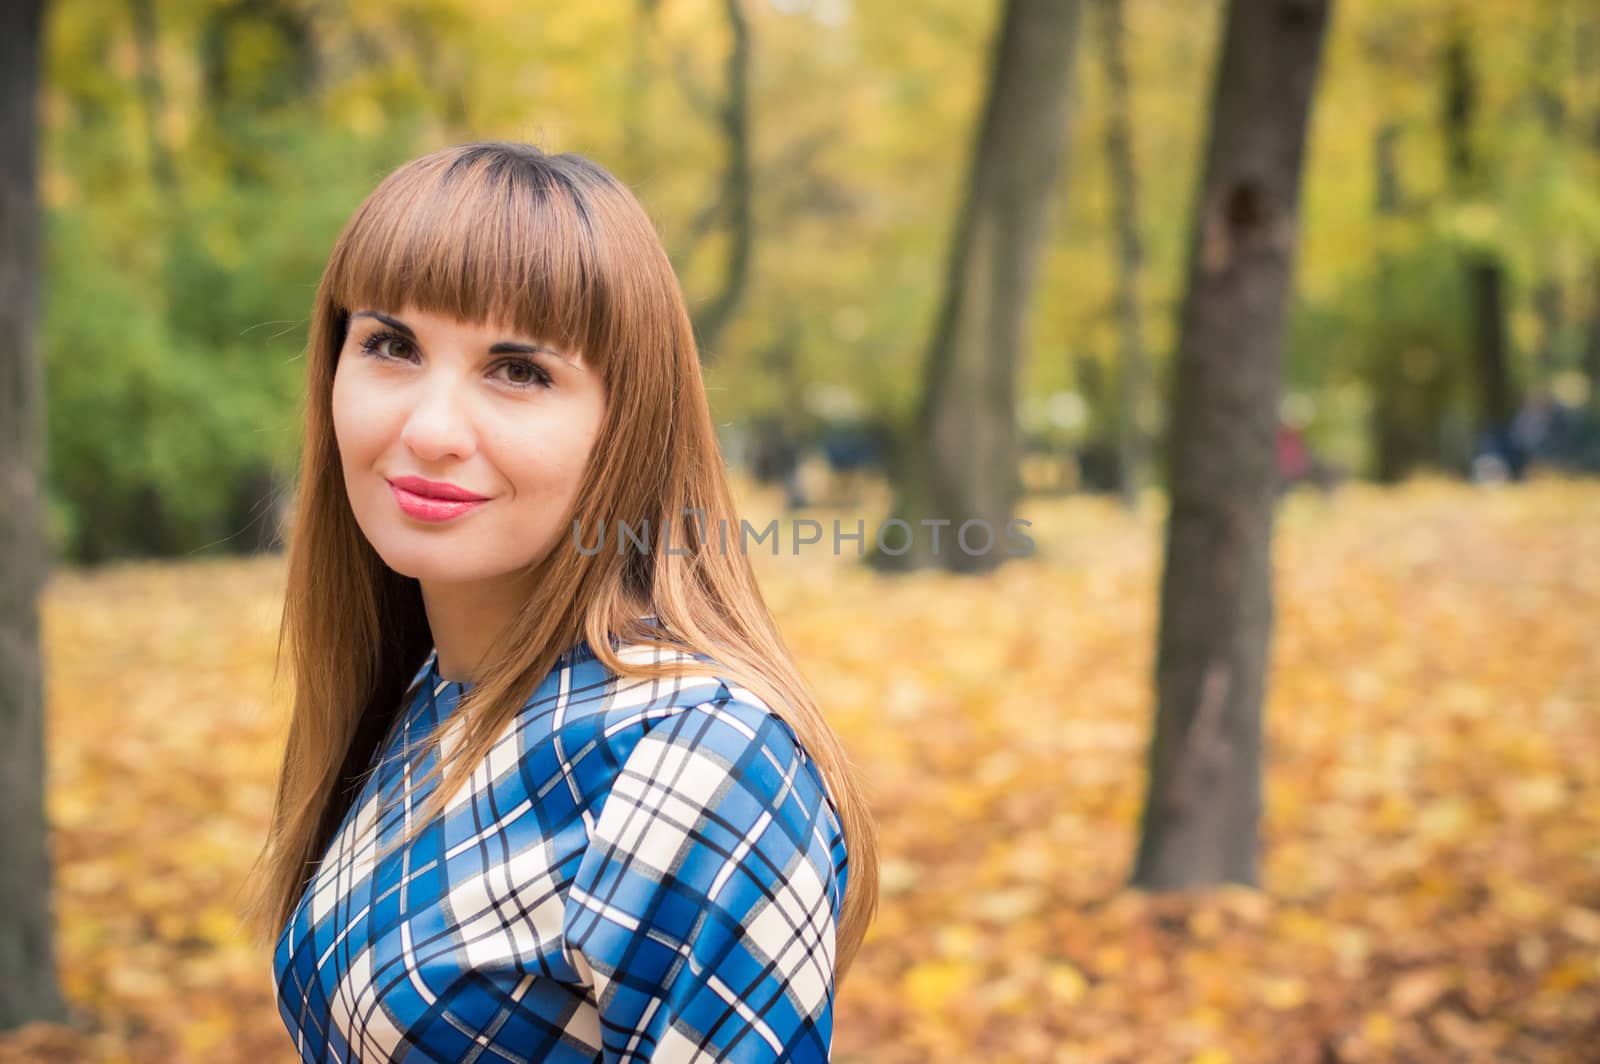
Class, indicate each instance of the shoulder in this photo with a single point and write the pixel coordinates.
(713, 842)
(714, 726)
(707, 743)
(703, 737)
(705, 707)
(733, 751)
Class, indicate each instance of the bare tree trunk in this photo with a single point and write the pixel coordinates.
(1398, 442)
(28, 988)
(1486, 283)
(1484, 271)
(1587, 46)
(960, 464)
(1131, 449)
(1591, 341)
(1203, 804)
(735, 198)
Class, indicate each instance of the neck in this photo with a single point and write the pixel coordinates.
(467, 618)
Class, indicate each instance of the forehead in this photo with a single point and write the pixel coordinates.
(479, 253)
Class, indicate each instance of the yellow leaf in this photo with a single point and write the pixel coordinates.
(1066, 983)
(1286, 992)
(931, 985)
(1212, 1056)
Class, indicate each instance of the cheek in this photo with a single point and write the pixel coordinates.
(573, 450)
(541, 467)
(340, 411)
(550, 456)
(356, 423)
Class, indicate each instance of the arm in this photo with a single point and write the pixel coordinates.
(704, 906)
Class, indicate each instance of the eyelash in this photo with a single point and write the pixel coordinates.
(541, 379)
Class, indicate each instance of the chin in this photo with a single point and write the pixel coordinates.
(440, 562)
(434, 562)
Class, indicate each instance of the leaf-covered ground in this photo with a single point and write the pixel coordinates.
(1430, 875)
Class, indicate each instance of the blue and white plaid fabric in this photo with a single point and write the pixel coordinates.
(640, 870)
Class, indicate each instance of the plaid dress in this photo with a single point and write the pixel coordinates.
(640, 870)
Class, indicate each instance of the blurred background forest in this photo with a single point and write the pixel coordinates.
(1430, 838)
(199, 158)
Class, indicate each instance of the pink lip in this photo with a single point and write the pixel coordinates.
(436, 489)
(424, 500)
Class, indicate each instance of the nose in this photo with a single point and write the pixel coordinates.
(438, 427)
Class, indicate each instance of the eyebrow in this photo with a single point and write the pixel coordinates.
(502, 347)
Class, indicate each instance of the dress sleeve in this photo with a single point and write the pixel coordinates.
(705, 905)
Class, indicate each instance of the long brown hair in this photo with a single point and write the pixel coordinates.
(557, 247)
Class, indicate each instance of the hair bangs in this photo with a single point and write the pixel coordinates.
(486, 238)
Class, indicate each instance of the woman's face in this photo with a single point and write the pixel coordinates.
(472, 411)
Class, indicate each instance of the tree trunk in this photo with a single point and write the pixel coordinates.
(27, 957)
(736, 192)
(1588, 68)
(1399, 442)
(1409, 396)
(1484, 271)
(1486, 299)
(1131, 449)
(956, 476)
(1203, 803)
(1591, 340)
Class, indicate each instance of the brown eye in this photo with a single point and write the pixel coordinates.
(523, 373)
(373, 344)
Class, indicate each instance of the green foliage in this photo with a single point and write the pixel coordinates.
(148, 433)
(194, 189)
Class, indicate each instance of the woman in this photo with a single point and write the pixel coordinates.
(605, 819)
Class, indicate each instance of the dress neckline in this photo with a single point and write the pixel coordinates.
(580, 651)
